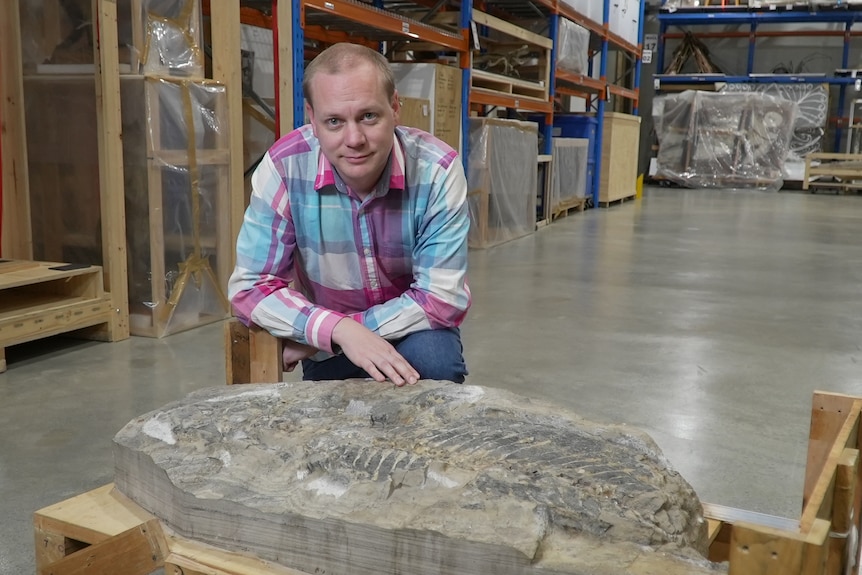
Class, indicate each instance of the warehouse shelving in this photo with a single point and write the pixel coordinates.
(753, 18)
(445, 28)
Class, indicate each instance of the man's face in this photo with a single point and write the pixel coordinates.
(354, 122)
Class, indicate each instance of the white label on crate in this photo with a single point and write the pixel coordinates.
(646, 57)
(329, 5)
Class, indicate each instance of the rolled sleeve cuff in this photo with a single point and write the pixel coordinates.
(318, 330)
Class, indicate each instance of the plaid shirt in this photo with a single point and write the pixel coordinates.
(310, 252)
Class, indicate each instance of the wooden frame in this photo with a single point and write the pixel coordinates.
(16, 240)
(108, 533)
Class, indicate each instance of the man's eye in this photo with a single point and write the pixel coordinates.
(369, 116)
(333, 122)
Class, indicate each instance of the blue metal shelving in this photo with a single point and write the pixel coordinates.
(845, 14)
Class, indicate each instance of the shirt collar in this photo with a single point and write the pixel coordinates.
(326, 175)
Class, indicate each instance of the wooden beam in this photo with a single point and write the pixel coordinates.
(138, 551)
(16, 239)
(284, 90)
(237, 352)
(227, 69)
(111, 183)
(759, 550)
(265, 356)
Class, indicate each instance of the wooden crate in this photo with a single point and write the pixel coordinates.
(502, 178)
(620, 148)
(105, 532)
(41, 299)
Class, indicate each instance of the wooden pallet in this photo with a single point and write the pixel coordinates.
(41, 299)
(566, 207)
(838, 172)
(102, 532)
(617, 201)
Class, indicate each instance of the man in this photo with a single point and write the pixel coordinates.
(354, 245)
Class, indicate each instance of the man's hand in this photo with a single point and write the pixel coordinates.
(372, 353)
(293, 352)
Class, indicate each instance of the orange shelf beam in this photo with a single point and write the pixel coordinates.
(380, 19)
(585, 82)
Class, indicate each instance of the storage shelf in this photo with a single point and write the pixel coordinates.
(38, 300)
(712, 18)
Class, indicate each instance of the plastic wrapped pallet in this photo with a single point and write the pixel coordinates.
(501, 179)
(573, 47)
(569, 171)
(724, 140)
(180, 251)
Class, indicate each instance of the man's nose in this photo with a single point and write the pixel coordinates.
(354, 136)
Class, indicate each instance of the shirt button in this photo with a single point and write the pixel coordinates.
(367, 251)
(374, 285)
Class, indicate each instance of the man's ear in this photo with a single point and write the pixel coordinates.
(310, 113)
(396, 106)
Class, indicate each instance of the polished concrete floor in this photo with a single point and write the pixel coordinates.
(705, 318)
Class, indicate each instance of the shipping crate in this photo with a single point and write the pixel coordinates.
(619, 167)
(501, 180)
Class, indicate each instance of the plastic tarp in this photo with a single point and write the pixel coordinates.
(723, 140)
(172, 38)
(180, 252)
(502, 177)
(573, 47)
(569, 171)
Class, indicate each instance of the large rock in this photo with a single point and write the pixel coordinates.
(357, 478)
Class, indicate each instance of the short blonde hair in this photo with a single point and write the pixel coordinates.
(344, 56)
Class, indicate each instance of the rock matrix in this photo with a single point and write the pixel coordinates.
(362, 478)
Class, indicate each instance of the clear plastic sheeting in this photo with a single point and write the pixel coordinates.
(502, 177)
(179, 255)
(718, 140)
(573, 47)
(172, 38)
(569, 172)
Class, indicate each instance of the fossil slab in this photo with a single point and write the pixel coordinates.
(361, 478)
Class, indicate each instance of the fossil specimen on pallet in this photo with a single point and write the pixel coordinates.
(363, 478)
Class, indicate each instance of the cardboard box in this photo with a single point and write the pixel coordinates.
(415, 113)
(441, 86)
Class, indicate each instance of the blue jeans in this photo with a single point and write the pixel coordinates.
(434, 353)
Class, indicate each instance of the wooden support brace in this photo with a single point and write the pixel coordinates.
(138, 551)
(252, 355)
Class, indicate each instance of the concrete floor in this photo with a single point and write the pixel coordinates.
(705, 318)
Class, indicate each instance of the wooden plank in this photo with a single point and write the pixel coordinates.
(759, 550)
(843, 509)
(515, 31)
(265, 364)
(111, 184)
(193, 557)
(8, 266)
(829, 412)
(284, 52)
(16, 240)
(237, 350)
(93, 516)
(138, 551)
(227, 69)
